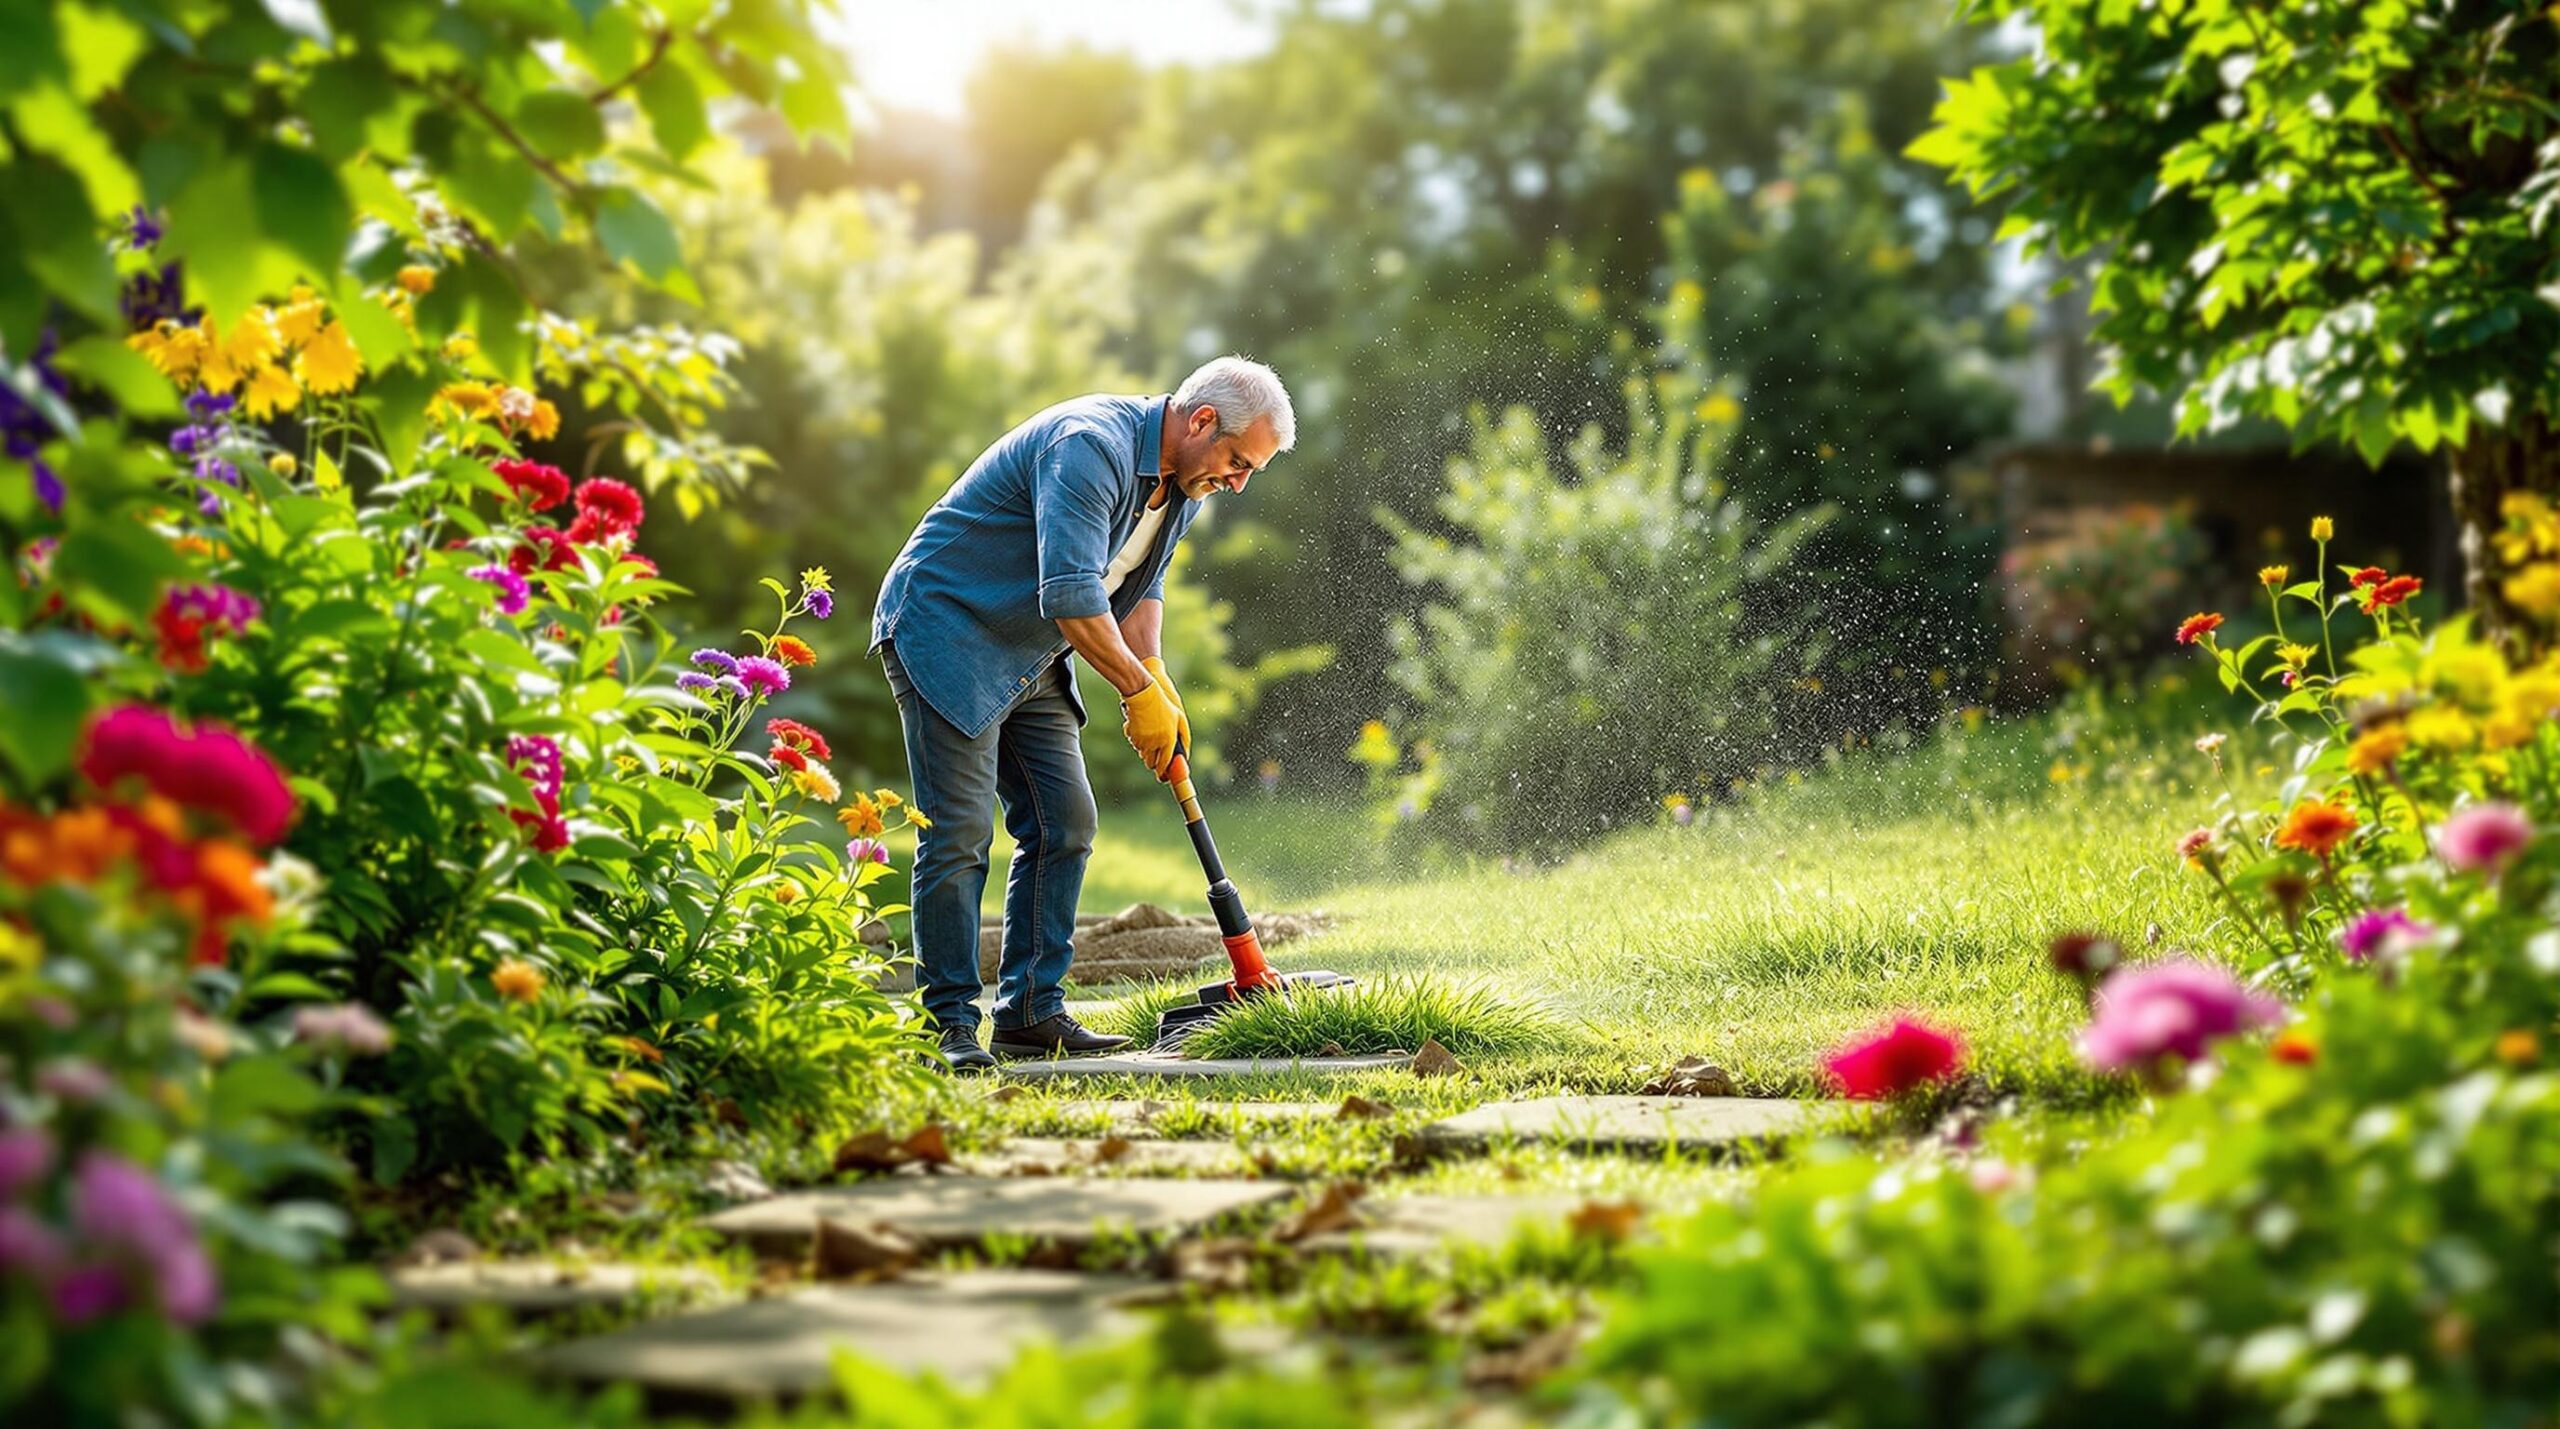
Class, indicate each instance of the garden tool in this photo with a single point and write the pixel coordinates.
(1253, 977)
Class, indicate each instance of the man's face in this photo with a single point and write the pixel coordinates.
(1205, 463)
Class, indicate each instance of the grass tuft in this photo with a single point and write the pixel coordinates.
(1385, 1014)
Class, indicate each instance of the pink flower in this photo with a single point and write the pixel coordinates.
(28, 1245)
(119, 1207)
(765, 677)
(2375, 929)
(865, 851)
(1895, 1058)
(2170, 1009)
(2484, 838)
(1991, 1177)
(207, 768)
(26, 1154)
(513, 590)
(348, 1027)
(75, 1080)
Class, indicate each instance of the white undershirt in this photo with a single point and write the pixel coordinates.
(1134, 554)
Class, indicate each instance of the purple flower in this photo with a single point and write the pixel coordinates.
(720, 660)
(119, 1206)
(141, 230)
(2170, 1009)
(513, 592)
(210, 404)
(765, 677)
(194, 440)
(215, 605)
(26, 1154)
(348, 1027)
(2484, 838)
(696, 681)
(188, 1289)
(87, 1293)
(28, 1244)
(733, 685)
(865, 851)
(48, 486)
(2373, 930)
(819, 603)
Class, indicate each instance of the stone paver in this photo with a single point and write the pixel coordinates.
(1412, 1225)
(1626, 1123)
(1168, 1064)
(946, 1212)
(964, 1327)
(538, 1287)
(1143, 1117)
(1055, 1156)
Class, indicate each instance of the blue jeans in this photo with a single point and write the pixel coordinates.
(1031, 759)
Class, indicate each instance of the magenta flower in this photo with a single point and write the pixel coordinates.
(865, 851)
(348, 1027)
(2373, 930)
(86, 1294)
(2484, 838)
(537, 758)
(26, 1154)
(819, 604)
(27, 1245)
(2170, 1009)
(513, 592)
(1894, 1059)
(765, 677)
(119, 1207)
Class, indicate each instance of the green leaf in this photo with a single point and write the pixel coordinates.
(47, 221)
(122, 374)
(101, 46)
(395, 1148)
(122, 564)
(43, 704)
(377, 330)
(254, 1086)
(564, 126)
(674, 105)
(301, 206)
(352, 104)
(50, 121)
(287, 985)
(398, 397)
(230, 261)
(633, 231)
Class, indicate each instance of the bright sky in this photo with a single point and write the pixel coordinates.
(917, 54)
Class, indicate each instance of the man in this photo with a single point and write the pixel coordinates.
(1054, 541)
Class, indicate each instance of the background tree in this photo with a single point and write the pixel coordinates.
(2335, 214)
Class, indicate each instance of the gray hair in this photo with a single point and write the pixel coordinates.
(1241, 390)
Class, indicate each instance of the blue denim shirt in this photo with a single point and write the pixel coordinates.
(1020, 542)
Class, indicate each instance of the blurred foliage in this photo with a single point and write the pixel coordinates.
(2102, 584)
(1588, 643)
(2336, 215)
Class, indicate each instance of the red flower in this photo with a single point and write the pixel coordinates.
(794, 651)
(2294, 1048)
(647, 566)
(788, 757)
(2394, 591)
(2196, 627)
(1894, 1059)
(545, 548)
(208, 769)
(614, 507)
(538, 486)
(799, 736)
(2370, 575)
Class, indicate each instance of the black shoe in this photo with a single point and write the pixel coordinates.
(1058, 1036)
(960, 1048)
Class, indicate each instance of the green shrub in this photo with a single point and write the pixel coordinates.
(1587, 644)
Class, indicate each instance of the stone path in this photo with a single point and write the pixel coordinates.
(1050, 1156)
(964, 1327)
(1399, 1226)
(951, 1212)
(1168, 1064)
(1626, 1123)
(538, 1287)
(1126, 1117)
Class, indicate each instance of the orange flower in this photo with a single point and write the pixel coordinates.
(2273, 575)
(641, 1049)
(517, 979)
(2374, 749)
(861, 818)
(2196, 627)
(2317, 826)
(2295, 1048)
(2518, 1047)
(794, 651)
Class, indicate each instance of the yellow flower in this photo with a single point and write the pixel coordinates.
(270, 391)
(2442, 728)
(2506, 731)
(2295, 655)
(815, 578)
(417, 278)
(861, 818)
(818, 782)
(544, 424)
(2472, 671)
(329, 363)
(172, 350)
(2273, 575)
(217, 372)
(517, 980)
(470, 399)
(2060, 773)
(2376, 748)
(2323, 529)
(300, 318)
(283, 464)
(2535, 590)
(1720, 409)
(786, 892)
(253, 342)
(917, 820)
(886, 798)
(461, 347)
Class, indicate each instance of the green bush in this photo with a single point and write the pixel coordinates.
(1588, 642)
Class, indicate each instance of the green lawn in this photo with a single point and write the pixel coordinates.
(1771, 929)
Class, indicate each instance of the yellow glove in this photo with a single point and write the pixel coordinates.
(1153, 724)
(1155, 667)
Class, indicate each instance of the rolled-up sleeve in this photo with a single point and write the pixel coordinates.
(1071, 491)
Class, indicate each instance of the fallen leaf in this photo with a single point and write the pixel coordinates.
(1612, 1221)
(1524, 1364)
(1112, 1148)
(1331, 1211)
(1435, 1060)
(1356, 1107)
(846, 1251)
(1331, 1049)
(874, 1151)
(1692, 1077)
(1221, 1263)
(930, 1145)
(1008, 1092)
